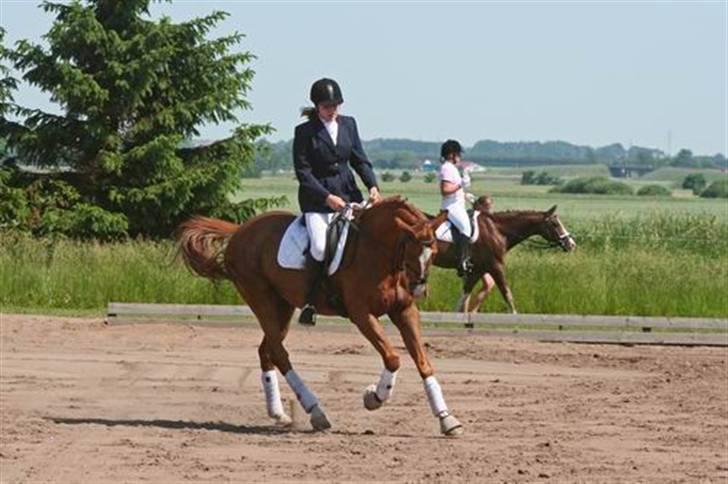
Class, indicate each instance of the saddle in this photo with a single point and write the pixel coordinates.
(445, 231)
(295, 243)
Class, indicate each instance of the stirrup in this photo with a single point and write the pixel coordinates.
(308, 315)
(465, 268)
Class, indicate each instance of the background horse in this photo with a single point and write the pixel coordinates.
(499, 233)
(384, 265)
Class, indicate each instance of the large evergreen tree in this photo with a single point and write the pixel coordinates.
(131, 90)
(7, 83)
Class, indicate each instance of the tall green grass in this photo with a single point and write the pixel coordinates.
(64, 274)
(634, 281)
(667, 265)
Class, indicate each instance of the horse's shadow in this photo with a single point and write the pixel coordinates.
(190, 425)
(179, 425)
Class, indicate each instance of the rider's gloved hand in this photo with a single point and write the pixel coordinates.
(335, 202)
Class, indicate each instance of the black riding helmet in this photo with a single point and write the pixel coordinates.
(450, 147)
(326, 91)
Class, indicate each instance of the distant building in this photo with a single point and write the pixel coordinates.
(470, 165)
(629, 171)
(429, 165)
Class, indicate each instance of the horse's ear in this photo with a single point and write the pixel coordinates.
(551, 211)
(407, 228)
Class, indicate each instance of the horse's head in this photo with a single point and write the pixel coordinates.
(483, 204)
(418, 247)
(554, 231)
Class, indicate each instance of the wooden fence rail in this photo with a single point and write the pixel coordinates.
(542, 327)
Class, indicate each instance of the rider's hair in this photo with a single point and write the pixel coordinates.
(309, 112)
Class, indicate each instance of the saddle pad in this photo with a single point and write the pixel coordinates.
(292, 251)
(444, 231)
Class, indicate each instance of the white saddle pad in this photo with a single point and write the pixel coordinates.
(292, 251)
(444, 231)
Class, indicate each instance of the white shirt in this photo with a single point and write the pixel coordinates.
(333, 128)
(449, 173)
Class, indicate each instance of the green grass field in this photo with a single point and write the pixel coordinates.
(666, 257)
(509, 194)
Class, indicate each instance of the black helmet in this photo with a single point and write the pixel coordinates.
(450, 147)
(326, 90)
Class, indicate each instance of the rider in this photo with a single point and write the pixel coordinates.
(452, 187)
(323, 148)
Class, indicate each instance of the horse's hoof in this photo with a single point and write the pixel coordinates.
(319, 421)
(371, 400)
(283, 420)
(450, 426)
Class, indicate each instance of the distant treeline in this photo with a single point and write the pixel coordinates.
(408, 154)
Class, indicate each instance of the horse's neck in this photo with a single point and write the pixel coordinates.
(516, 226)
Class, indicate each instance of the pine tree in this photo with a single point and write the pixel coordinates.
(132, 90)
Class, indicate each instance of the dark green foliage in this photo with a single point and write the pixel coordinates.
(531, 178)
(695, 182)
(717, 189)
(131, 90)
(654, 191)
(597, 185)
(405, 177)
(684, 157)
(430, 177)
(387, 177)
(7, 83)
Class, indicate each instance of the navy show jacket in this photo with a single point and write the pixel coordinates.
(322, 168)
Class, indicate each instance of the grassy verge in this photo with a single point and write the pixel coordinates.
(637, 275)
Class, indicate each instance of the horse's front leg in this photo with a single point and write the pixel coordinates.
(408, 323)
(376, 394)
(499, 276)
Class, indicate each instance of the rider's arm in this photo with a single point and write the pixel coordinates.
(302, 165)
(359, 160)
(448, 188)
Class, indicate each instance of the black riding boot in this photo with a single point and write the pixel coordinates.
(315, 270)
(465, 265)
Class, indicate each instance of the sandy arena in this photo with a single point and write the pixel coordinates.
(86, 402)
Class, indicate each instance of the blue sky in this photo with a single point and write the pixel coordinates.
(585, 72)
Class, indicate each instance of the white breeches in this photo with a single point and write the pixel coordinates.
(316, 225)
(458, 215)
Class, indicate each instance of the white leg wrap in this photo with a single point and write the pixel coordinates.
(272, 393)
(434, 396)
(307, 399)
(385, 387)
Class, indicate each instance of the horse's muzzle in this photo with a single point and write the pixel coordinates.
(567, 242)
(419, 290)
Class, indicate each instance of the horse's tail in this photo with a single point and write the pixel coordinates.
(201, 243)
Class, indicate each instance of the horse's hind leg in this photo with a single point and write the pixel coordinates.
(408, 323)
(274, 314)
(468, 285)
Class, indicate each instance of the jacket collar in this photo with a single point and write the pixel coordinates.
(324, 135)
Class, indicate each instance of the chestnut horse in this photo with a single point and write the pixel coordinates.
(499, 232)
(385, 264)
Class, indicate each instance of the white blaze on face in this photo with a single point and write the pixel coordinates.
(424, 259)
(570, 242)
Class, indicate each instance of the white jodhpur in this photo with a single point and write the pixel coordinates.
(449, 425)
(273, 403)
(376, 395)
(308, 401)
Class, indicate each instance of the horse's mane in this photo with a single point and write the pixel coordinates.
(393, 203)
(510, 214)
